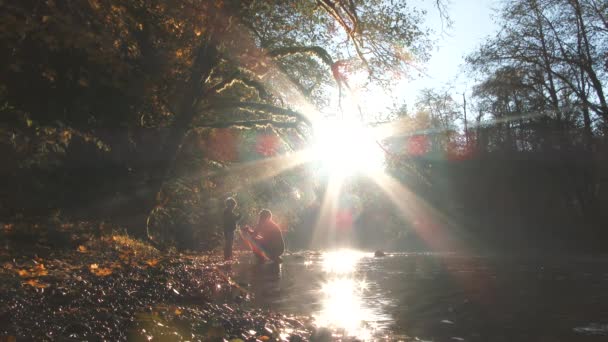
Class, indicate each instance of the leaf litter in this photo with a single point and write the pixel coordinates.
(121, 289)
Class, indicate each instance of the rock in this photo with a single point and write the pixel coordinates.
(379, 254)
(296, 338)
(321, 335)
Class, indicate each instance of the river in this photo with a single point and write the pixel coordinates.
(437, 297)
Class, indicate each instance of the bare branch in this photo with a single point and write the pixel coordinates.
(333, 11)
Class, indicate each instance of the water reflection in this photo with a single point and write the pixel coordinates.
(341, 261)
(339, 289)
(342, 295)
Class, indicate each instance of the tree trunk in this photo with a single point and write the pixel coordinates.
(193, 94)
(587, 62)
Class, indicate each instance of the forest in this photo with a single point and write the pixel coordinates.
(126, 125)
(142, 115)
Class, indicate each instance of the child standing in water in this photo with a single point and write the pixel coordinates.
(230, 221)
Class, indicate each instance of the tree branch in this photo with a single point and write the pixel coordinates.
(315, 50)
(263, 107)
(332, 10)
(239, 77)
(249, 123)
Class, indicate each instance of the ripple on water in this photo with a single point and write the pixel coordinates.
(596, 329)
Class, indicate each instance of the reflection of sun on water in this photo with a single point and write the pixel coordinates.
(341, 261)
(343, 307)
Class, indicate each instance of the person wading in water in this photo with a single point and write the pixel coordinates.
(269, 237)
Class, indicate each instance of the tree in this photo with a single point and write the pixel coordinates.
(442, 113)
(558, 43)
(115, 69)
(542, 84)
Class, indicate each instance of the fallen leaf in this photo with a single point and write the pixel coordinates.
(101, 272)
(94, 266)
(178, 312)
(23, 273)
(35, 283)
(82, 249)
(152, 262)
(39, 270)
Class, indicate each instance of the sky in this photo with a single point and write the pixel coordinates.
(472, 24)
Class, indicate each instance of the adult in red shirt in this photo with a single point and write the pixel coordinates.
(269, 236)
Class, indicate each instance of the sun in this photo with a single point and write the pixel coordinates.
(346, 147)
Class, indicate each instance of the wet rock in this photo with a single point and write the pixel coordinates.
(296, 338)
(379, 254)
(321, 335)
(77, 330)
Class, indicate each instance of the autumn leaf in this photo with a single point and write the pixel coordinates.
(82, 249)
(152, 262)
(100, 271)
(178, 312)
(39, 270)
(36, 284)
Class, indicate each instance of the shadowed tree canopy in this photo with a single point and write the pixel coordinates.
(129, 79)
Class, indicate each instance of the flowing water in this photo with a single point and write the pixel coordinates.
(437, 297)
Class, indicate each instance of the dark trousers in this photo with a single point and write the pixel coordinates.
(228, 239)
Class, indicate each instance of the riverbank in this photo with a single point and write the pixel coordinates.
(117, 288)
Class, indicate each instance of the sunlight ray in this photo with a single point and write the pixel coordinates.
(432, 227)
(324, 230)
(426, 221)
(259, 61)
(404, 128)
(259, 170)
